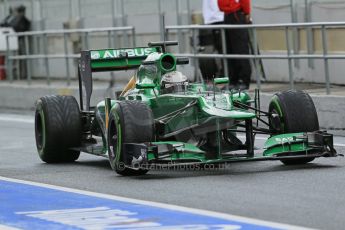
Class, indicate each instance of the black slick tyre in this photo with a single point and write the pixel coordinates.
(57, 128)
(294, 112)
(129, 122)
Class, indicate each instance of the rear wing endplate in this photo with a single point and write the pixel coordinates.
(108, 60)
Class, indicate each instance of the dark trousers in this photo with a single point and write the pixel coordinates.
(210, 40)
(23, 72)
(217, 37)
(237, 42)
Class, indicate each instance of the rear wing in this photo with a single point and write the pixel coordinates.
(119, 59)
(108, 60)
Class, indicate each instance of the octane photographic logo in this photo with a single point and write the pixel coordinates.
(107, 218)
(172, 166)
(135, 52)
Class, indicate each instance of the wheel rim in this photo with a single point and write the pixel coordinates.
(113, 141)
(39, 131)
(275, 121)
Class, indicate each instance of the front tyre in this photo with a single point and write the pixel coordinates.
(57, 128)
(293, 111)
(129, 122)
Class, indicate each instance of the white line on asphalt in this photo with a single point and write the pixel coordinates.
(31, 121)
(17, 119)
(4, 227)
(160, 205)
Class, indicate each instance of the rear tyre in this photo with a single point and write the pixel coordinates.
(129, 122)
(57, 128)
(294, 112)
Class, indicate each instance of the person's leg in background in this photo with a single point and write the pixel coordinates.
(207, 66)
(238, 43)
(22, 63)
(231, 74)
(217, 41)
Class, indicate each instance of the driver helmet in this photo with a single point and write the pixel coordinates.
(173, 82)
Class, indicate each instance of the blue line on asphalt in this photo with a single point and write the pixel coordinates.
(26, 206)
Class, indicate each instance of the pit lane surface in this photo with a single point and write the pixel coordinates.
(311, 195)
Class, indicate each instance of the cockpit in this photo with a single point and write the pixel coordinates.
(173, 82)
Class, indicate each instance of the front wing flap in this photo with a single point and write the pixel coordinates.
(300, 144)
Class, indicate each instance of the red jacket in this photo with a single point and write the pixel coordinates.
(230, 6)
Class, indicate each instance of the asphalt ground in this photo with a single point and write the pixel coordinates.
(310, 195)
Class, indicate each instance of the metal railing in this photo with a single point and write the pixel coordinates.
(39, 10)
(128, 34)
(289, 56)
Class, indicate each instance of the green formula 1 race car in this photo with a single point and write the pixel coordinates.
(160, 119)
